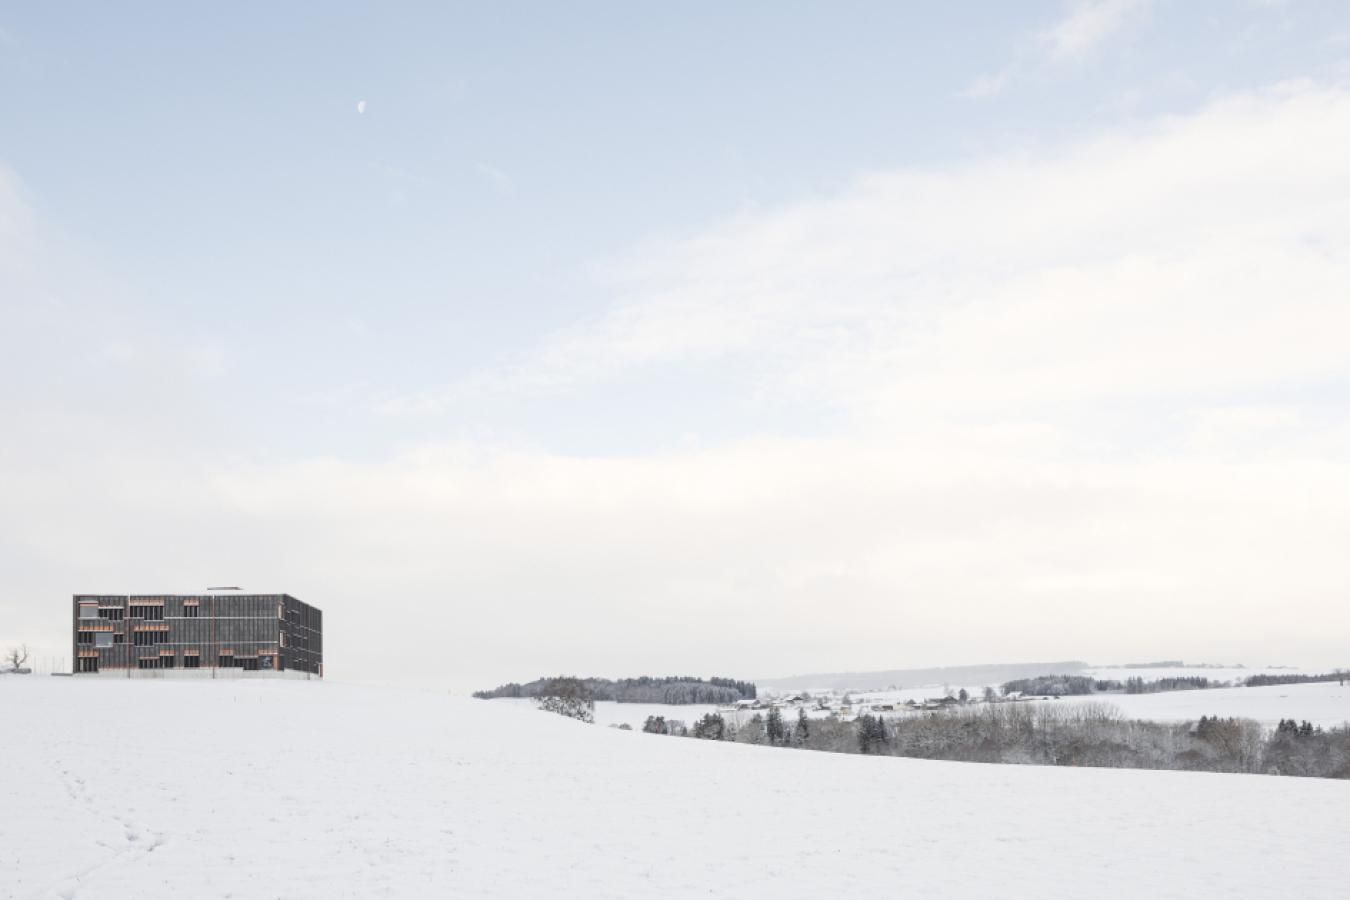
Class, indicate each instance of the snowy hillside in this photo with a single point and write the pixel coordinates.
(164, 789)
(1322, 703)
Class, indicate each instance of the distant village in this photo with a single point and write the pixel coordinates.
(848, 706)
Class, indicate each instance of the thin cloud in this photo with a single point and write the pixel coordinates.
(1089, 25)
(987, 86)
(1074, 373)
(1101, 377)
(497, 178)
(907, 269)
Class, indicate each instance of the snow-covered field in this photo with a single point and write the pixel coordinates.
(1322, 703)
(1227, 673)
(634, 715)
(267, 789)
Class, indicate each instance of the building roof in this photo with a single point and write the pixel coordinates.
(197, 592)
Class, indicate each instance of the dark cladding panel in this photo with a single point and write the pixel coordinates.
(253, 632)
(301, 636)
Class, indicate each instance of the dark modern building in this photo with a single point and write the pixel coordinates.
(210, 634)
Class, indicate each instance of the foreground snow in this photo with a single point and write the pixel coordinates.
(153, 789)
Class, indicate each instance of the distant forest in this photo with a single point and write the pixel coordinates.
(1077, 685)
(1267, 680)
(673, 689)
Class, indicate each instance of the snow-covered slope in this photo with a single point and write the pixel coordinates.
(1323, 703)
(162, 789)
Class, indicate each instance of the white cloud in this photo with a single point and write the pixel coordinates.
(1084, 403)
(989, 85)
(1085, 27)
(360, 107)
(1211, 246)
(1056, 373)
(1088, 25)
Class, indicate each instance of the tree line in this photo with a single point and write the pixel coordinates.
(1080, 735)
(1080, 685)
(1138, 685)
(677, 690)
(1055, 685)
(1267, 680)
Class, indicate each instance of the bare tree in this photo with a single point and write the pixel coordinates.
(16, 657)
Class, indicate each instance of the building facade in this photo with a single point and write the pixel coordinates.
(209, 634)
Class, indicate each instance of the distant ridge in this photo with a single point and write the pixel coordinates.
(992, 673)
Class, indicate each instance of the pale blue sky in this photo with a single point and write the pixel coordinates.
(570, 233)
(212, 160)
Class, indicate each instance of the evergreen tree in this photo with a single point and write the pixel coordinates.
(711, 727)
(774, 726)
(803, 727)
(872, 735)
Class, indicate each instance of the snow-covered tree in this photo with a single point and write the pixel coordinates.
(774, 728)
(15, 657)
(567, 697)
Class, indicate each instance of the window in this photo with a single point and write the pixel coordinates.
(191, 661)
(190, 611)
(86, 637)
(147, 662)
(88, 612)
(148, 638)
(112, 613)
(119, 638)
(103, 639)
(146, 611)
(166, 662)
(86, 664)
(226, 661)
